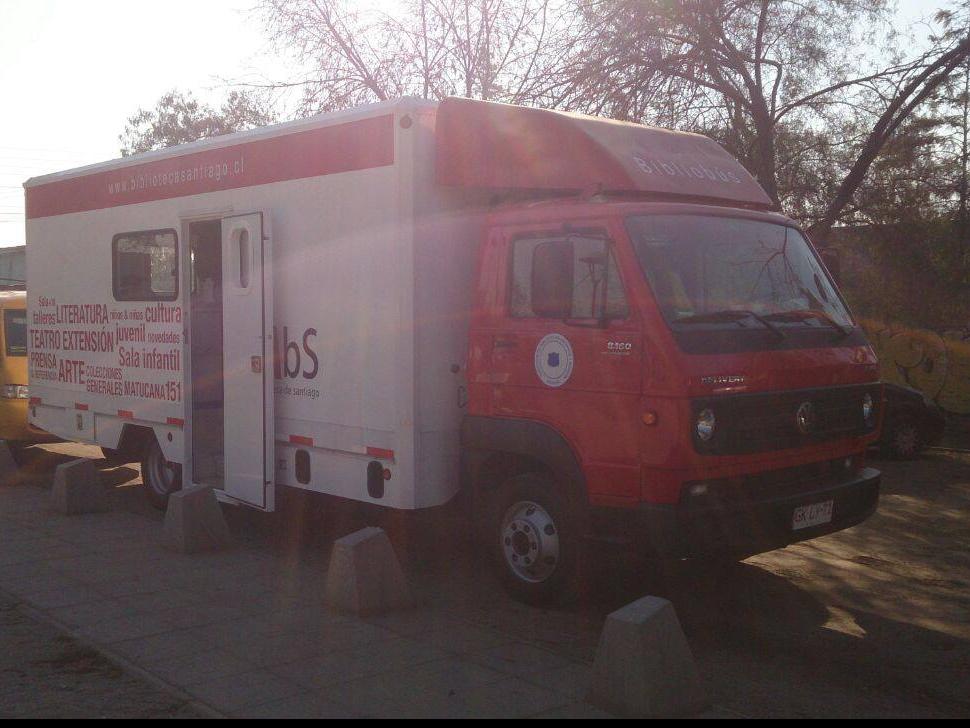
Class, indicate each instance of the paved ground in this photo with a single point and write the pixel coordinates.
(870, 622)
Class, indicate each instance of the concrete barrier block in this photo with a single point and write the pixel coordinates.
(78, 489)
(644, 667)
(194, 522)
(365, 578)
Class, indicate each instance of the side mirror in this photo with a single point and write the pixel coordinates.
(834, 264)
(552, 279)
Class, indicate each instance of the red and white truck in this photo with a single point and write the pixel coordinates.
(589, 327)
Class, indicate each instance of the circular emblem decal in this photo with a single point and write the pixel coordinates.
(805, 417)
(554, 360)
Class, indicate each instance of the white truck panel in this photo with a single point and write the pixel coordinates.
(372, 275)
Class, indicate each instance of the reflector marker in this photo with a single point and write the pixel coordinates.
(80, 406)
(126, 414)
(176, 421)
(300, 440)
(379, 452)
(35, 401)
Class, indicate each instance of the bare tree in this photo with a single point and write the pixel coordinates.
(744, 66)
(352, 53)
(794, 77)
(907, 93)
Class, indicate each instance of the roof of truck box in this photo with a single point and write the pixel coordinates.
(478, 144)
(340, 141)
(498, 146)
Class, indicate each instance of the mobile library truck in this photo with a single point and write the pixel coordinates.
(589, 327)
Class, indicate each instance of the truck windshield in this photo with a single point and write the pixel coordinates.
(705, 269)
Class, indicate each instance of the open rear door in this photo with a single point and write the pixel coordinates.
(247, 298)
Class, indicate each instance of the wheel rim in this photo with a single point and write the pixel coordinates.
(161, 473)
(907, 440)
(530, 541)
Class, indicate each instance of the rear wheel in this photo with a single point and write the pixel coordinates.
(161, 477)
(534, 541)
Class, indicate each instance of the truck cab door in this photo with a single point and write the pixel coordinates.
(247, 299)
(568, 352)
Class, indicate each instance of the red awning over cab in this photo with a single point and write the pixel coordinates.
(497, 146)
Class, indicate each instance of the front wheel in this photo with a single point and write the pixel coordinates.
(533, 537)
(161, 477)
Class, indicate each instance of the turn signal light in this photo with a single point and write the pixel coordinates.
(649, 418)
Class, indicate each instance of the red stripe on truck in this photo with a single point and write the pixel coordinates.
(79, 406)
(354, 145)
(379, 452)
(300, 440)
(126, 414)
(176, 421)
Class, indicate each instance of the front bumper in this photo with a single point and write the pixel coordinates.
(747, 527)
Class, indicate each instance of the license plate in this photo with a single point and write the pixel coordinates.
(812, 515)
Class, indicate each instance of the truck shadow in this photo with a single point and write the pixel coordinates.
(39, 463)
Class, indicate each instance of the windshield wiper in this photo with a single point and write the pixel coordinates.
(731, 314)
(809, 313)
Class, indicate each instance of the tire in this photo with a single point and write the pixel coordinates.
(904, 439)
(161, 478)
(534, 541)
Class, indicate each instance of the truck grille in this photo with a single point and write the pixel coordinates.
(750, 423)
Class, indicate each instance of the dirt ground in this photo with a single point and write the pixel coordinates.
(870, 622)
(46, 674)
(873, 621)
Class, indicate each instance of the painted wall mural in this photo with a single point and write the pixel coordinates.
(936, 363)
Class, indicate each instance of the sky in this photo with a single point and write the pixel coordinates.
(73, 71)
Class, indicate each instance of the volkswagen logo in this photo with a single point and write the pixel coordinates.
(805, 417)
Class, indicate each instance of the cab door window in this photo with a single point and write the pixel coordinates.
(567, 277)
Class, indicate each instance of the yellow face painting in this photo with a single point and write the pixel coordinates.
(938, 364)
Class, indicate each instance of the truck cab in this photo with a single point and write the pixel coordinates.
(684, 376)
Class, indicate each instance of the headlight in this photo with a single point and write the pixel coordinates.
(705, 425)
(16, 391)
(867, 408)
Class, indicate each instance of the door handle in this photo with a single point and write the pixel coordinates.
(256, 364)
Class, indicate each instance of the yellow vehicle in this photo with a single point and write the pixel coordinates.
(14, 395)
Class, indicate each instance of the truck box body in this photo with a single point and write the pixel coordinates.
(372, 220)
(371, 272)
